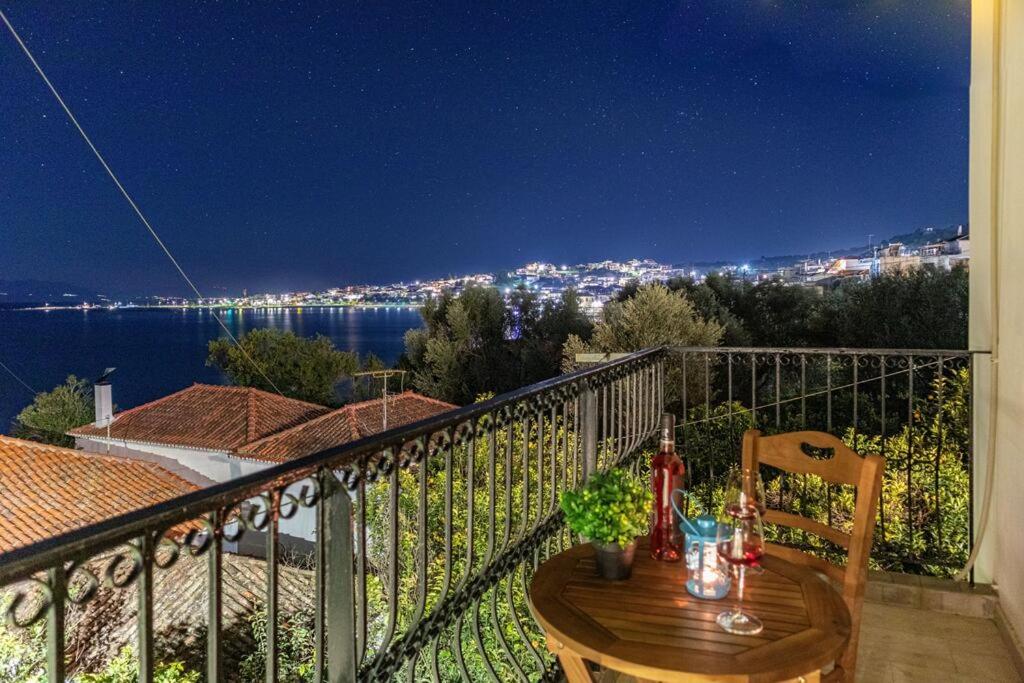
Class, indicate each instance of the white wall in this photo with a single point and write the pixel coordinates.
(203, 468)
(997, 283)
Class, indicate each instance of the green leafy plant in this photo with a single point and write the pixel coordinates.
(612, 507)
(296, 648)
(22, 652)
(124, 668)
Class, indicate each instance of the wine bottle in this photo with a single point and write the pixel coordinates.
(666, 475)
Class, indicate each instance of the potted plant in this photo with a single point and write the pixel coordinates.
(610, 511)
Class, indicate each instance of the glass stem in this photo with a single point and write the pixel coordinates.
(739, 590)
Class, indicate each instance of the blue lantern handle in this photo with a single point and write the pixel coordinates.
(688, 525)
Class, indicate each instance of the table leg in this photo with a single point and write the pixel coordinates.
(574, 666)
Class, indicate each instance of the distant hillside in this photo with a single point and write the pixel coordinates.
(41, 291)
(927, 235)
(915, 238)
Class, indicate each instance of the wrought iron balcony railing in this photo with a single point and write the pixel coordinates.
(424, 537)
(913, 407)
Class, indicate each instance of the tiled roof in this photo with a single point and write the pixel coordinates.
(218, 418)
(47, 490)
(403, 409)
(354, 421)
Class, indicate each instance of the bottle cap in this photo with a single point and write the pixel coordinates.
(668, 427)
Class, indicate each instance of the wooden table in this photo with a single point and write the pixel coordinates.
(651, 628)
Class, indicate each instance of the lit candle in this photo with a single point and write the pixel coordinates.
(710, 575)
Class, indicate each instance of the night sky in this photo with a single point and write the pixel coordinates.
(278, 148)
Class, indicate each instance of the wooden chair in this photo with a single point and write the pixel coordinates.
(787, 452)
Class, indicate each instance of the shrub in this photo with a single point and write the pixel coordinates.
(124, 669)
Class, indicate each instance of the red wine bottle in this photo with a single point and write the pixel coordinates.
(666, 475)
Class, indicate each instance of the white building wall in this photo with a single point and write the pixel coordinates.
(997, 315)
(203, 468)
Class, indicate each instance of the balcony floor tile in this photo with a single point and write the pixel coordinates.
(905, 644)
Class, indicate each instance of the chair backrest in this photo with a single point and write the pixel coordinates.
(789, 453)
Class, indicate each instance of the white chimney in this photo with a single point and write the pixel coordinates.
(104, 404)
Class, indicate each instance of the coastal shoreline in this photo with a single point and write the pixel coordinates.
(166, 307)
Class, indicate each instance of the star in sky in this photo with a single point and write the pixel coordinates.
(315, 144)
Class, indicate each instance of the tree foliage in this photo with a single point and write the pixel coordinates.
(477, 342)
(541, 330)
(653, 316)
(52, 413)
(23, 653)
(125, 669)
(304, 368)
(473, 343)
(925, 308)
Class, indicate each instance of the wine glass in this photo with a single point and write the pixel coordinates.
(745, 487)
(740, 542)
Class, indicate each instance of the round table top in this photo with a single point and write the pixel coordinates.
(651, 627)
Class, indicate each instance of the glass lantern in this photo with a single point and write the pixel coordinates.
(708, 576)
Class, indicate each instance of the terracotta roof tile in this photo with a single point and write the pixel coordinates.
(219, 418)
(47, 490)
(352, 422)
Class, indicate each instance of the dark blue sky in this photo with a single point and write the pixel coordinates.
(347, 142)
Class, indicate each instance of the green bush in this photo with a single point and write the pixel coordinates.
(23, 660)
(125, 669)
(296, 648)
(22, 653)
(710, 447)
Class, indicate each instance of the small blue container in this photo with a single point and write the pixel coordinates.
(708, 577)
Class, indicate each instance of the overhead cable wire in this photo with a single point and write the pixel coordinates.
(128, 198)
(19, 379)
